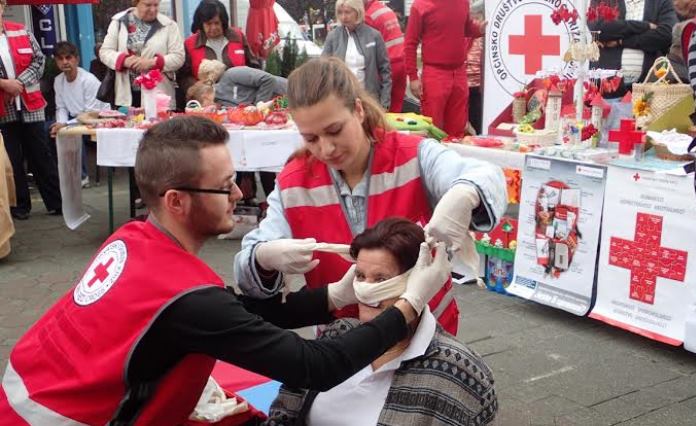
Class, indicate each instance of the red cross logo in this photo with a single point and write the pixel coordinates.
(534, 45)
(636, 177)
(646, 259)
(101, 272)
(626, 136)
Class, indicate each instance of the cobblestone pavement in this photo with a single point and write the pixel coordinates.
(550, 366)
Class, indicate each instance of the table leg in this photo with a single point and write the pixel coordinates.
(110, 179)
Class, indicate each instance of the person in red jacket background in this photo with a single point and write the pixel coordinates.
(384, 20)
(442, 28)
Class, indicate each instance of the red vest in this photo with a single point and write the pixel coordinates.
(313, 210)
(384, 20)
(687, 32)
(233, 53)
(71, 365)
(22, 54)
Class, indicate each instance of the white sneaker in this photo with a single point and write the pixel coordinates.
(85, 182)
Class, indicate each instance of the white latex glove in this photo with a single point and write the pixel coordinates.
(428, 276)
(452, 216)
(341, 292)
(290, 256)
(450, 224)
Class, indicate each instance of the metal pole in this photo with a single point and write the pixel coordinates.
(233, 13)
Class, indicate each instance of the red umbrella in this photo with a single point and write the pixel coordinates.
(262, 27)
(42, 2)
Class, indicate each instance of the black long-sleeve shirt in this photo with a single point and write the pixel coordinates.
(636, 34)
(247, 333)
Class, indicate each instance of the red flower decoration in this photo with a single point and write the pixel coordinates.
(587, 132)
(131, 28)
(149, 80)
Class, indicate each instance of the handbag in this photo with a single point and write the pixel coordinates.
(107, 89)
(662, 95)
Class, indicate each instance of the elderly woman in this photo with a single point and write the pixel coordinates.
(362, 48)
(138, 40)
(428, 378)
(213, 38)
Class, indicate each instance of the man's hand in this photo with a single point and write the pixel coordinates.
(12, 87)
(290, 256)
(482, 28)
(55, 128)
(416, 88)
(652, 26)
(609, 44)
(341, 293)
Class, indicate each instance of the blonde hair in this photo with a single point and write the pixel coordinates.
(198, 90)
(211, 70)
(356, 5)
(320, 78)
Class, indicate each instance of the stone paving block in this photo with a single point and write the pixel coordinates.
(679, 389)
(512, 413)
(630, 406)
(677, 414)
(592, 383)
(583, 417)
(548, 410)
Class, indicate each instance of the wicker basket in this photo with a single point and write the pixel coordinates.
(664, 96)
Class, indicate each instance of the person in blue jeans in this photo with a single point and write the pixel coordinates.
(76, 92)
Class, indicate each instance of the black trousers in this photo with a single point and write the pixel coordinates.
(476, 108)
(30, 141)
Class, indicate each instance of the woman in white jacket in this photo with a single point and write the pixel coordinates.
(140, 39)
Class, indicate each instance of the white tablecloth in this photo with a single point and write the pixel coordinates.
(252, 150)
(502, 158)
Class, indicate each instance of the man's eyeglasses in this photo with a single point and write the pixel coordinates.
(227, 192)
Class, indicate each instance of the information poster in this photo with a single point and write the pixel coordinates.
(521, 39)
(646, 279)
(558, 234)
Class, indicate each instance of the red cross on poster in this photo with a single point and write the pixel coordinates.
(521, 39)
(646, 281)
(646, 259)
(534, 45)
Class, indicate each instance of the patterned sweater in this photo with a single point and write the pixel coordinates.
(449, 385)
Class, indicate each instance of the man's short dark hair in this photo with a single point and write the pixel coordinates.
(169, 155)
(65, 48)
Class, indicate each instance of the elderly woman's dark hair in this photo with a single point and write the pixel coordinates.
(399, 236)
(207, 10)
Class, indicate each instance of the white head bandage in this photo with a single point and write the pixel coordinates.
(372, 294)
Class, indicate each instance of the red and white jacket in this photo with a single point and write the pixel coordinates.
(71, 367)
(380, 17)
(22, 55)
(313, 210)
(233, 53)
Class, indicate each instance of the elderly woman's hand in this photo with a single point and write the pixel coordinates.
(144, 64)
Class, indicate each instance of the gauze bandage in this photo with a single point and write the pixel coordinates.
(371, 294)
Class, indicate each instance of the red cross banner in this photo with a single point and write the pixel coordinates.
(521, 39)
(646, 281)
(558, 233)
